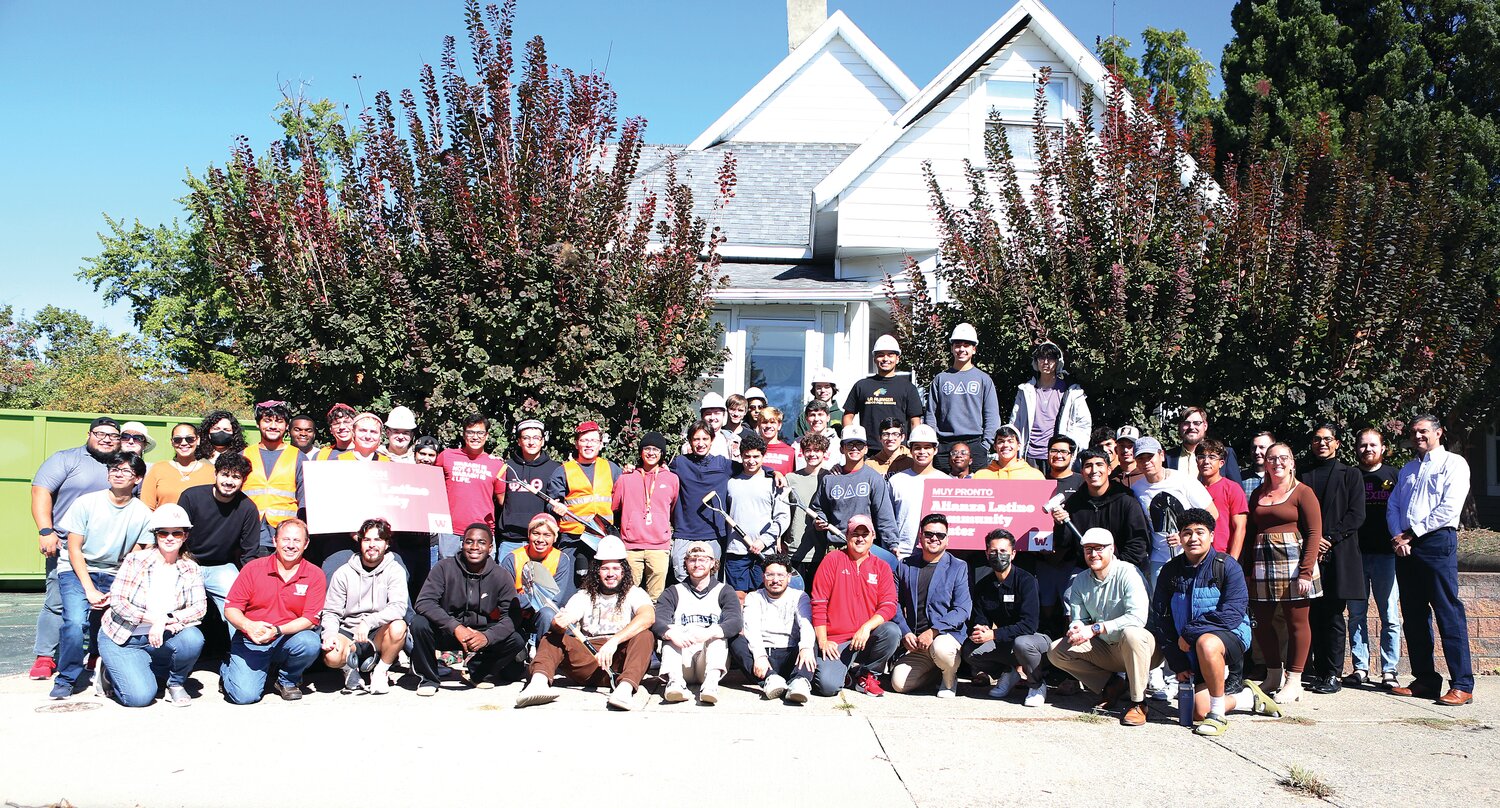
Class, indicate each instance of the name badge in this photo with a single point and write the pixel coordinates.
(1009, 598)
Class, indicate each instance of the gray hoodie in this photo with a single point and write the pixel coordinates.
(372, 597)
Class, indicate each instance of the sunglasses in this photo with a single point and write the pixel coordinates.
(130, 437)
(928, 534)
(170, 534)
(188, 440)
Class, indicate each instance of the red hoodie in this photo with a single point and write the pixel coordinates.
(844, 597)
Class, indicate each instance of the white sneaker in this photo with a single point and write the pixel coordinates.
(1005, 684)
(1156, 685)
(380, 683)
(537, 691)
(708, 694)
(774, 688)
(623, 698)
(946, 693)
(799, 691)
(427, 689)
(676, 692)
(1037, 696)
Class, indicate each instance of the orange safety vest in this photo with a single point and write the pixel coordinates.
(519, 557)
(273, 492)
(325, 453)
(588, 499)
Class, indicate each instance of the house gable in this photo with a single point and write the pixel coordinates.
(836, 87)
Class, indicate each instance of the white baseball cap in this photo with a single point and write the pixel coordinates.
(855, 433)
(1098, 536)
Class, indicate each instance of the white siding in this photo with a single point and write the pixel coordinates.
(835, 98)
(887, 207)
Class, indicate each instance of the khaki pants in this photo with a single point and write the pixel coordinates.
(915, 669)
(1093, 662)
(649, 569)
(695, 663)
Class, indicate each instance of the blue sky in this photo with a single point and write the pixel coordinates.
(108, 104)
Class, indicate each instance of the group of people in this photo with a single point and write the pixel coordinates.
(811, 566)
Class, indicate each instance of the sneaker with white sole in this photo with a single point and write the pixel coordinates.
(623, 697)
(946, 693)
(799, 691)
(353, 682)
(676, 692)
(427, 688)
(774, 687)
(537, 691)
(1036, 696)
(708, 694)
(380, 683)
(1004, 685)
(177, 696)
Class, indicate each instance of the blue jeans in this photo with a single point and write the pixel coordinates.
(49, 619)
(137, 669)
(1429, 590)
(78, 617)
(216, 582)
(1380, 578)
(448, 545)
(249, 665)
(505, 548)
(742, 572)
(884, 641)
(782, 661)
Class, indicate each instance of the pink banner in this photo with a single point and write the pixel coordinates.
(975, 507)
(342, 495)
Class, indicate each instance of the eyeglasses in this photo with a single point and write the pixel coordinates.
(186, 440)
(476, 433)
(103, 437)
(124, 471)
(928, 534)
(1095, 550)
(1280, 460)
(170, 534)
(1194, 422)
(1060, 452)
(1324, 439)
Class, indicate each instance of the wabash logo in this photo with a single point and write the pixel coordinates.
(971, 388)
(841, 491)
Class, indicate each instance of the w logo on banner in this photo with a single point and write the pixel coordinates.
(839, 491)
(969, 389)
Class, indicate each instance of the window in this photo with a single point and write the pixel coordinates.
(1015, 100)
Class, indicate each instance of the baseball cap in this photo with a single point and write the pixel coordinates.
(1147, 446)
(1129, 433)
(860, 520)
(587, 427)
(1098, 536)
(922, 434)
(855, 434)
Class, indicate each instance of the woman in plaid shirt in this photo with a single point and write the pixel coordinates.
(151, 626)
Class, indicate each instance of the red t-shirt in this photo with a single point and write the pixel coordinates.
(781, 457)
(473, 485)
(1229, 499)
(845, 596)
(260, 593)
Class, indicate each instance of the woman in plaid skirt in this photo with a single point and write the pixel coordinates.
(1282, 568)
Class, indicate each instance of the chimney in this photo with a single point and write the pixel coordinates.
(802, 18)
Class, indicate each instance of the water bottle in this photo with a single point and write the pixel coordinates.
(1185, 702)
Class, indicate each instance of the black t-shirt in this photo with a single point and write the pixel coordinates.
(875, 399)
(222, 532)
(919, 622)
(1374, 535)
(1068, 485)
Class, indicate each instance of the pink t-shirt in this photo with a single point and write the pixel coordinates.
(1229, 499)
(473, 484)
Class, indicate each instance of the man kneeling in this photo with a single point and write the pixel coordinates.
(1108, 634)
(364, 614)
(694, 620)
(935, 606)
(466, 605)
(1199, 615)
(614, 617)
(854, 606)
(776, 644)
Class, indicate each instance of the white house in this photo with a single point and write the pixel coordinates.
(830, 196)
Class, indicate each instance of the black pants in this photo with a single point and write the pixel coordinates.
(1330, 635)
(980, 455)
(427, 639)
(783, 661)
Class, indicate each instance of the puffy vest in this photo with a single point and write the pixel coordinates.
(519, 557)
(273, 492)
(586, 499)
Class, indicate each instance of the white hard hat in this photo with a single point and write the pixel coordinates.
(754, 393)
(610, 549)
(923, 434)
(823, 376)
(401, 418)
(964, 332)
(886, 343)
(168, 515)
(711, 401)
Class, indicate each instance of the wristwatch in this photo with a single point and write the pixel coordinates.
(46, 531)
(1097, 628)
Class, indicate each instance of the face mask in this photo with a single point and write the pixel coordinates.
(221, 438)
(999, 562)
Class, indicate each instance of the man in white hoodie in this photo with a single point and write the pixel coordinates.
(1046, 405)
(776, 644)
(364, 614)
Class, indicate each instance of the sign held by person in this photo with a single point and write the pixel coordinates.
(975, 507)
(341, 496)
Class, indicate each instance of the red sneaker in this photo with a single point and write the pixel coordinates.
(869, 684)
(43, 668)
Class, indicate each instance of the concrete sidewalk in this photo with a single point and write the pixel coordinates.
(470, 747)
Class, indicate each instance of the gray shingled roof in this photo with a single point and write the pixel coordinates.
(810, 277)
(772, 202)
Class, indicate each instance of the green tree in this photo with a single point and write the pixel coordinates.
(1170, 67)
(1280, 298)
(474, 248)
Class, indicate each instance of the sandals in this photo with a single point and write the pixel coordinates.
(1213, 726)
(1264, 705)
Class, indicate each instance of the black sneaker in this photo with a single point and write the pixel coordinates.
(288, 692)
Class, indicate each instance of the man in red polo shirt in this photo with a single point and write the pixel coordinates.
(273, 607)
(853, 609)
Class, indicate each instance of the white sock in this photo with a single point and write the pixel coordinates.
(382, 668)
(1216, 705)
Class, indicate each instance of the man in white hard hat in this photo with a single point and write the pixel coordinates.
(714, 412)
(961, 402)
(400, 432)
(824, 388)
(614, 617)
(885, 394)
